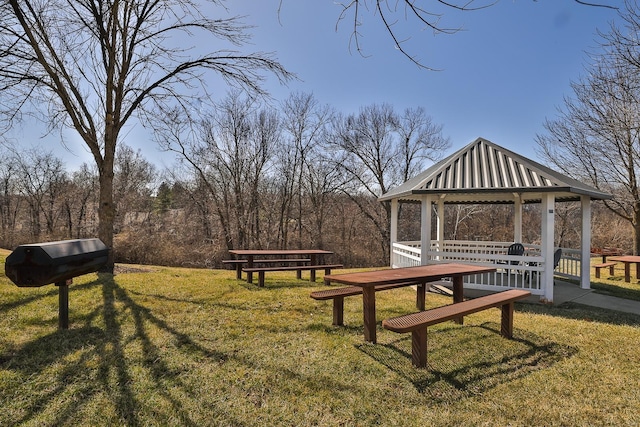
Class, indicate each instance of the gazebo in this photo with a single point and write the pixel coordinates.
(484, 172)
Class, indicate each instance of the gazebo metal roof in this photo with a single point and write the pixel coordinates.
(484, 172)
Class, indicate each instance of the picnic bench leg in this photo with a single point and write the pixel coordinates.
(506, 326)
(611, 272)
(419, 347)
(312, 273)
(249, 265)
(421, 296)
(637, 270)
(458, 295)
(369, 313)
(238, 271)
(338, 311)
(299, 272)
(598, 272)
(261, 278)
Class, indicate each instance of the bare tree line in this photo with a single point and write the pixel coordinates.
(248, 175)
(253, 175)
(279, 178)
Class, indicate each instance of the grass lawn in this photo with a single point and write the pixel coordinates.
(190, 347)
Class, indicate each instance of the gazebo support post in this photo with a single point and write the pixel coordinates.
(517, 220)
(585, 248)
(440, 224)
(547, 243)
(393, 236)
(425, 227)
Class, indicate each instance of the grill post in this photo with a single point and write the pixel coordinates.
(63, 303)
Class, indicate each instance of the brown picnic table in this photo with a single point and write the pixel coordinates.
(252, 256)
(605, 252)
(628, 260)
(420, 276)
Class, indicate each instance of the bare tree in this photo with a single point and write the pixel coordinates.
(229, 152)
(80, 202)
(398, 18)
(9, 202)
(303, 123)
(459, 216)
(94, 65)
(597, 134)
(322, 180)
(379, 149)
(133, 184)
(41, 183)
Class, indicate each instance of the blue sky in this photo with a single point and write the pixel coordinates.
(505, 72)
(507, 69)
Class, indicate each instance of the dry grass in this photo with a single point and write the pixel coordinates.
(187, 347)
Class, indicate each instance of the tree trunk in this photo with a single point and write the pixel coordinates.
(107, 210)
(636, 229)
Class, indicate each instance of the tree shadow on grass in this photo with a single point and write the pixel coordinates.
(52, 291)
(464, 361)
(155, 362)
(624, 290)
(38, 356)
(575, 311)
(23, 301)
(92, 361)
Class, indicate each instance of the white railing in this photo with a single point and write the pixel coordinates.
(569, 266)
(513, 271)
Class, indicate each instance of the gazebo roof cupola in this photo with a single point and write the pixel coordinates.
(483, 172)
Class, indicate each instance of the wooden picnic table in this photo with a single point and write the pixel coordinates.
(410, 275)
(605, 252)
(251, 254)
(628, 260)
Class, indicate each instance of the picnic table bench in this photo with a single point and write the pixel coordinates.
(609, 264)
(238, 263)
(417, 323)
(298, 268)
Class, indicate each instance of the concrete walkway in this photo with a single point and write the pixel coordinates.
(568, 292)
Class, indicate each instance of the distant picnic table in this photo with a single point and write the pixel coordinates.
(287, 260)
(605, 252)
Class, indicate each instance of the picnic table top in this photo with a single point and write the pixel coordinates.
(250, 252)
(625, 258)
(606, 251)
(427, 273)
